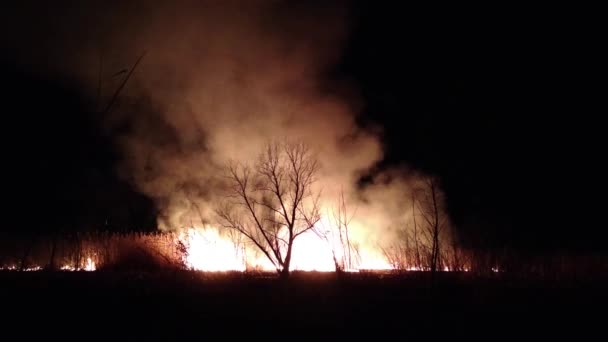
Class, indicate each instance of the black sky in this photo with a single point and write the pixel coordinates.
(495, 101)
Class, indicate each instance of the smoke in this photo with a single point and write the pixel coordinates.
(218, 81)
(223, 80)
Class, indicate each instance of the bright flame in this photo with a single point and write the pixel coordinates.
(373, 261)
(31, 269)
(15, 268)
(311, 253)
(89, 266)
(207, 250)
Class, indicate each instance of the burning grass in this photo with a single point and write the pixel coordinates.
(209, 251)
(190, 249)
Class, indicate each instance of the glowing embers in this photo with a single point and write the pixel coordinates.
(89, 266)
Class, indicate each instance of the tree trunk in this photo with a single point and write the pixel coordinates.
(26, 254)
(435, 249)
(286, 264)
(337, 266)
(284, 274)
(53, 250)
(78, 257)
(418, 261)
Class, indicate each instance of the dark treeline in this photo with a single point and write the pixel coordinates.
(59, 166)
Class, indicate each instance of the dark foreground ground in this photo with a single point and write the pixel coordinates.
(173, 305)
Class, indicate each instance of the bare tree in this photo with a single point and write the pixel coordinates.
(337, 235)
(273, 202)
(398, 253)
(417, 259)
(434, 220)
(422, 244)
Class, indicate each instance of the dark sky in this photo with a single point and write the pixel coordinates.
(495, 101)
(499, 103)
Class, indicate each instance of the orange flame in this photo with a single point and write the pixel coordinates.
(207, 250)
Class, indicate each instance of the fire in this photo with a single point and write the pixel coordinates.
(15, 268)
(208, 250)
(373, 261)
(311, 253)
(89, 266)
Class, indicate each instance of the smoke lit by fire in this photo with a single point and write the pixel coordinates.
(217, 82)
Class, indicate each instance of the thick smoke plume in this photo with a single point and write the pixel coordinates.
(218, 80)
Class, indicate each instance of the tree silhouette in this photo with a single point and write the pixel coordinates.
(434, 220)
(273, 202)
(422, 243)
(336, 234)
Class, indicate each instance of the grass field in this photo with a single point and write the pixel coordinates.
(192, 304)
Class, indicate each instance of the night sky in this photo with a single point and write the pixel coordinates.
(497, 104)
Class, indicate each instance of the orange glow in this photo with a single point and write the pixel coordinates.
(212, 252)
(208, 251)
(373, 261)
(310, 253)
(88, 266)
